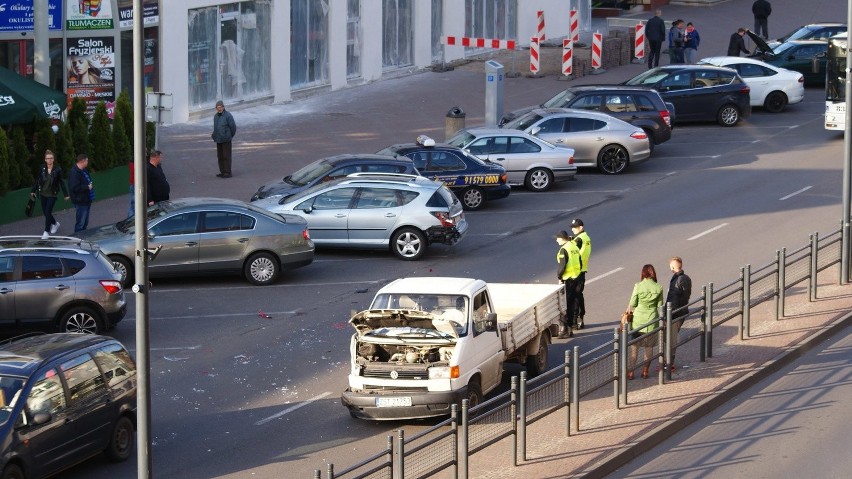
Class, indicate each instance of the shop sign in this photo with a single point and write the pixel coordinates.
(88, 14)
(18, 15)
(150, 15)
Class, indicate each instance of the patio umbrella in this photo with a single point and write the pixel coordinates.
(23, 100)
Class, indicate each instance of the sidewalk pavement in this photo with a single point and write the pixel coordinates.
(610, 437)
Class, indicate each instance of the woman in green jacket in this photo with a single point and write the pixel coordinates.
(645, 303)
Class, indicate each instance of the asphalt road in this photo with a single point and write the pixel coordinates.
(793, 424)
(236, 394)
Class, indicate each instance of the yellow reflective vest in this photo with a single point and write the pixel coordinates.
(571, 253)
(585, 250)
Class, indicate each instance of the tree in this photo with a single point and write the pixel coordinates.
(150, 136)
(102, 156)
(79, 124)
(20, 157)
(123, 153)
(4, 163)
(45, 140)
(125, 107)
(64, 147)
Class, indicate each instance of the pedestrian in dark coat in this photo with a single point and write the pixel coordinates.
(690, 45)
(224, 129)
(82, 191)
(676, 41)
(680, 289)
(655, 32)
(158, 186)
(761, 10)
(737, 44)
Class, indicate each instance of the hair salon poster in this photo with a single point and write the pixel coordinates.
(88, 14)
(90, 71)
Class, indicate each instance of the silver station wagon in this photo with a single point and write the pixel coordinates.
(405, 213)
(210, 236)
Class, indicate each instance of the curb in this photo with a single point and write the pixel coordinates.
(651, 439)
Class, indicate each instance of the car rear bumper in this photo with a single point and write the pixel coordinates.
(423, 404)
(446, 235)
(296, 260)
(498, 192)
(564, 174)
(116, 316)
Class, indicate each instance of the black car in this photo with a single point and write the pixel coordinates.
(807, 57)
(699, 92)
(64, 398)
(473, 180)
(640, 107)
(813, 31)
(326, 169)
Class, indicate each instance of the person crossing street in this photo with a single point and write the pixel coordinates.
(570, 266)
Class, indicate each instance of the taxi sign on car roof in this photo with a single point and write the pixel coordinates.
(424, 140)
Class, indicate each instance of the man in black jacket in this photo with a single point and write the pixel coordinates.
(82, 191)
(655, 32)
(761, 10)
(680, 289)
(158, 186)
(737, 44)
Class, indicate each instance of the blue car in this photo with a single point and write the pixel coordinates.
(473, 181)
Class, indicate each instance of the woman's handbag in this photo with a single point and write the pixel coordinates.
(626, 317)
(30, 206)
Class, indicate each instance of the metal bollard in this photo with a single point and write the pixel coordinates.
(398, 471)
(780, 258)
(575, 387)
(566, 392)
(463, 442)
(622, 374)
(813, 273)
(667, 354)
(522, 411)
(746, 302)
(615, 375)
(708, 335)
(515, 411)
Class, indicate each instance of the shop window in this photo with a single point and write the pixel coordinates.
(309, 47)
(437, 30)
(353, 39)
(397, 33)
(491, 19)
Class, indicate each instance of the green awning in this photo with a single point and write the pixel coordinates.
(23, 100)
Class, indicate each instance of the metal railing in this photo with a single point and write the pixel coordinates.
(468, 430)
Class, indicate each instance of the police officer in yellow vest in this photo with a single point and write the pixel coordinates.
(570, 266)
(581, 238)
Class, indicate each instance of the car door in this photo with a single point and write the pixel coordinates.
(90, 410)
(42, 290)
(621, 106)
(224, 237)
(374, 216)
(178, 236)
(327, 214)
(801, 58)
(51, 445)
(488, 352)
(497, 149)
(444, 166)
(7, 292)
(579, 133)
(757, 78)
(677, 89)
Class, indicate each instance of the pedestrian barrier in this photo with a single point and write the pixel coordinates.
(574, 26)
(567, 57)
(541, 36)
(479, 42)
(468, 430)
(597, 42)
(534, 55)
(639, 41)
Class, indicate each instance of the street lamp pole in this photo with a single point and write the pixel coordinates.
(847, 163)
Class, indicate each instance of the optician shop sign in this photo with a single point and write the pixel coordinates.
(88, 14)
(17, 15)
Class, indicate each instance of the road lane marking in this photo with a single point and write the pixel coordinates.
(213, 316)
(291, 409)
(708, 231)
(677, 157)
(795, 193)
(281, 285)
(601, 276)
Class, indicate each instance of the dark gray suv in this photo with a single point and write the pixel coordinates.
(640, 107)
(58, 284)
(63, 399)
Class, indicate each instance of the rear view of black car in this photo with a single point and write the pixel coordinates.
(64, 398)
(638, 106)
(699, 92)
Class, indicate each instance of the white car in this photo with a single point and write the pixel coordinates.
(772, 87)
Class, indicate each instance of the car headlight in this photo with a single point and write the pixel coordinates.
(439, 373)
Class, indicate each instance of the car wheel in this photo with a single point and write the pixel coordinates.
(408, 244)
(539, 179)
(261, 269)
(537, 363)
(775, 102)
(473, 198)
(123, 266)
(81, 319)
(474, 394)
(121, 441)
(728, 115)
(12, 471)
(613, 159)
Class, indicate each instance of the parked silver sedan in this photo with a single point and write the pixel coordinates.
(598, 140)
(529, 161)
(210, 235)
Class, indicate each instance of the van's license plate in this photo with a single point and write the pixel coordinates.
(393, 402)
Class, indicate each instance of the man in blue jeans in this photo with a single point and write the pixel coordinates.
(82, 191)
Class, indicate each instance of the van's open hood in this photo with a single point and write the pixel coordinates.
(372, 319)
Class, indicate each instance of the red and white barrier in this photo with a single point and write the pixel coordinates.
(567, 57)
(541, 37)
(479, 42)
(597, 42)
(639, 43)
(574, 26)
(534, 55)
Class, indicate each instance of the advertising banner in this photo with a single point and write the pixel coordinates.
(18, 15)
(91, 71)
(88, 14)
(150, 15)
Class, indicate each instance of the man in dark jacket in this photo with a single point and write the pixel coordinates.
(676, 40)
(655, 32)
(761, 10)
(82, 191)
(158, 186)
(680, 289)
(224, 130)
(737, 44)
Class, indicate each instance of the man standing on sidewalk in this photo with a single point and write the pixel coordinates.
(82, 191)
(680, 289)
(655, 32)
(224, 130)
(584, 243)
(761, 10)
(568, 258)
(158, 186)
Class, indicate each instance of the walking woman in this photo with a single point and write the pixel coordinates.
(645, 302)
(47, 185)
